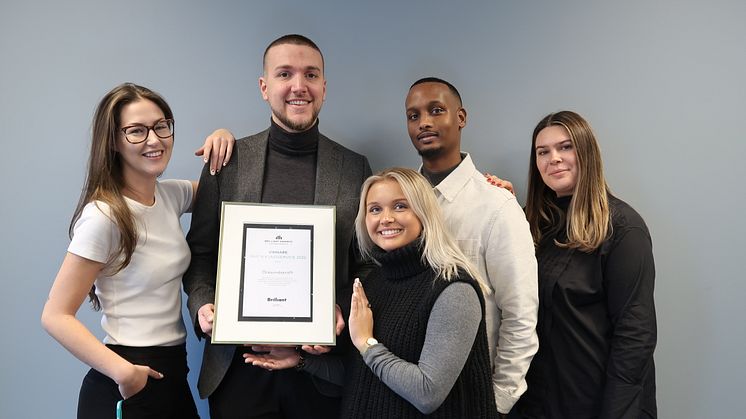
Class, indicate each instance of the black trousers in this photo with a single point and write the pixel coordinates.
(249, 392)
(167, 398)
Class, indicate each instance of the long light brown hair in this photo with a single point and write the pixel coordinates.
(439, 251)
(588, 216)
(104, 181)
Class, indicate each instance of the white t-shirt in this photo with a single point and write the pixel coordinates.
(141, 304)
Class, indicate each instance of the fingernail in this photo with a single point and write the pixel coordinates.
(205, 159)
(225, 163)
(160, 374)
(212, 172)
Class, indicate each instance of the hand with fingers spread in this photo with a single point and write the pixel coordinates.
(500, 183)
(136, 380)
(361, 317)
(217, 149)
(205, 316)
(322, 349)
(274, 357)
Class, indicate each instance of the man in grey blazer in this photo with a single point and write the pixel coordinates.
(289, 163)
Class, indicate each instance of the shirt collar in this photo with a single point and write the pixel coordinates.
(454, 183)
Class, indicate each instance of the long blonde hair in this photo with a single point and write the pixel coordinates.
(104, 179)
(440, 252)
(588, 216)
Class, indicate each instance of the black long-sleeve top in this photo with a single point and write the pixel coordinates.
(597, 328)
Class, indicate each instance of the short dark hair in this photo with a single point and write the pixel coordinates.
(451, 87)
(293, 39)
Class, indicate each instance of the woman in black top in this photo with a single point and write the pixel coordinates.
(423, 303)
(597, 329)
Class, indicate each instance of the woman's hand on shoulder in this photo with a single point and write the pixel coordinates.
(217, 149)
(500, 183)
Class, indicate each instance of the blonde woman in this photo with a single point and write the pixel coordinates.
(418, 320)
(597, 329)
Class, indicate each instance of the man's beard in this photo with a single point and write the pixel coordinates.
(430, 152)
(298, 126)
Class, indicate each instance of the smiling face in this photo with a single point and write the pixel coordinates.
(294, 86)
(556, 159)
(389, 218)
(434, 121)
(147, 160)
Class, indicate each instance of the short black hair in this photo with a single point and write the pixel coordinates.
(293, 39)
(451, 87)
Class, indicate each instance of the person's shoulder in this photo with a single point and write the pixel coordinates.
(96, 209)
(623, 214)
(463, 288)
(253, 139)
(95, 215)
(175, 190)
(340, 147)
(464, 277)
(624, 219)
(496, 195)
(173, 184)
(246, 149)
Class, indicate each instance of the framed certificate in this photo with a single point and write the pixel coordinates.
(275, 280)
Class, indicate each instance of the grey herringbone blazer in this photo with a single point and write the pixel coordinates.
(339, 174)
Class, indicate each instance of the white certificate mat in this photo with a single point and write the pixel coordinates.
(275, 280)
(277, 273)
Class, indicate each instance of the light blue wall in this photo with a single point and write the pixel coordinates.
(662, 82)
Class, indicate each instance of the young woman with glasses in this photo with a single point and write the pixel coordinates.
(128, 253)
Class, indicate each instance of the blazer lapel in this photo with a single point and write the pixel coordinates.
(251, 168)
(328, 172)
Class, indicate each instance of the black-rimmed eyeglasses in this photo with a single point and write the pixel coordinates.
(137, 133)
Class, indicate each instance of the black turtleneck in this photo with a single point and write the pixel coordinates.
(402, 294)
(290, 172)
(563, 202)
(400, 263)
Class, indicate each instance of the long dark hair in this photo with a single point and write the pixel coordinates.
(104, 179)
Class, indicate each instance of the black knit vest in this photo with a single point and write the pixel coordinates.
(402, 294)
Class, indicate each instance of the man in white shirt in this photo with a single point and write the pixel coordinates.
(489, 227)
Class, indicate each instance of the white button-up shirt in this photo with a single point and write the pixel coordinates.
(491, 229)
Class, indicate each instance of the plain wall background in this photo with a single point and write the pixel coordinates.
(662, 83)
